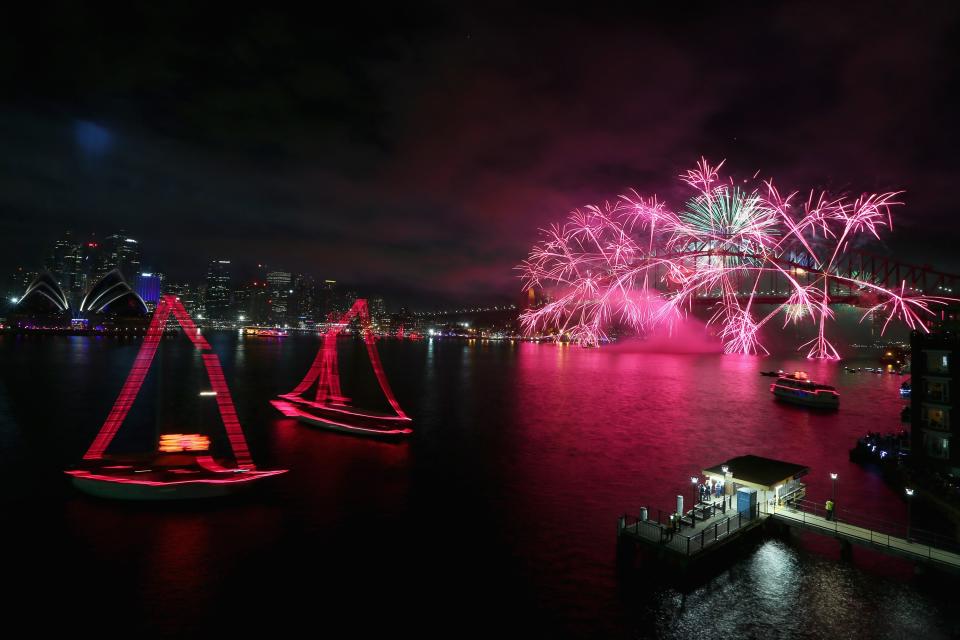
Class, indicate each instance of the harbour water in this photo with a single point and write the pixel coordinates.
(498, 516)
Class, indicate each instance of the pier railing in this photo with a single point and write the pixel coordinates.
(868, 528)
(686, 542)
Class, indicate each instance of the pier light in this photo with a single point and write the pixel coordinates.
(833, 476)
(693, 479)
(909, 492)
(725, 469)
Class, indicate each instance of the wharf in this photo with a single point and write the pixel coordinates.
(713, 523)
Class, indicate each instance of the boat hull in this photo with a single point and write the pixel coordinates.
(123, 487)
(357, 423)
(388, 432)
(814, 401)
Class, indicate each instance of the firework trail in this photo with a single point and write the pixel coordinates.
(633, 264)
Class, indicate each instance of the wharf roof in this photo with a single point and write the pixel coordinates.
(758, 471)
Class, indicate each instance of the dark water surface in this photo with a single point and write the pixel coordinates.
(497, 518)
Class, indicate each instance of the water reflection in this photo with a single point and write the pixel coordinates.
(535, 448)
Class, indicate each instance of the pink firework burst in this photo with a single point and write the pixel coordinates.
(634, 264)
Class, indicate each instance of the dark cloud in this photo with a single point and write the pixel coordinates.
(421, 147)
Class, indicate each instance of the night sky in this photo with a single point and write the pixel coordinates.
(418, 149)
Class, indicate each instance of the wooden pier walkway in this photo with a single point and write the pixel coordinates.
(796, 516)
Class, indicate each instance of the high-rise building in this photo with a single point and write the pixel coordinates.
(378, 314)
(251, 302)
(148, 286)
(121, 252)
(65, 263)
(303, 308)
(75, 279)
(935, 372)
(217, 304)
(186, 293)
(57, 260)
(280, 286)
(326, 300)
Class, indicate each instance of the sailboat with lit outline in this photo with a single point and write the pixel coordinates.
(182, 467)
(329, 408)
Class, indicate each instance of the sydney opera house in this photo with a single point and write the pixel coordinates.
(110, 304)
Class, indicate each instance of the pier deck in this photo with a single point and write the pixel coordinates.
(689, 540)
(882, 541)
(772, 492)
(712, 532)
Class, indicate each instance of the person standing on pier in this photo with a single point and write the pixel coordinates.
(829, 509)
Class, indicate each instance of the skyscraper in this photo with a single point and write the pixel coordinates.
(119, 251)
(57, 260)
(186, 293)
(302, 306)
(217, 303)
(279, 284)
(378, 314)
(65, 263)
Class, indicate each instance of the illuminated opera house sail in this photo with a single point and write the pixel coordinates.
(109, 303)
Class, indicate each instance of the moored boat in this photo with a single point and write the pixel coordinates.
(905, 389)
(797, 388)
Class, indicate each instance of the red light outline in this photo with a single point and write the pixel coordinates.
(292, 411)
(168, 305)
(234, 477)
(324, 371)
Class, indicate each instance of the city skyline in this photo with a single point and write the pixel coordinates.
(422, 150)
(102, 286)
(78, 260)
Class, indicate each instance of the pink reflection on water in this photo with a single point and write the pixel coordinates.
(602, 431)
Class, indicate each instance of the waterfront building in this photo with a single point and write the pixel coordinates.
(934, 425)
(186, 293)
(379, 320)
(217, 303)
(302, 308)
(109, 303)
(279, 284)
(149, 286)
(251, 303)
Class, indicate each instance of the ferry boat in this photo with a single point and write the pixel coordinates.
(799, 389)
(265, 332)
